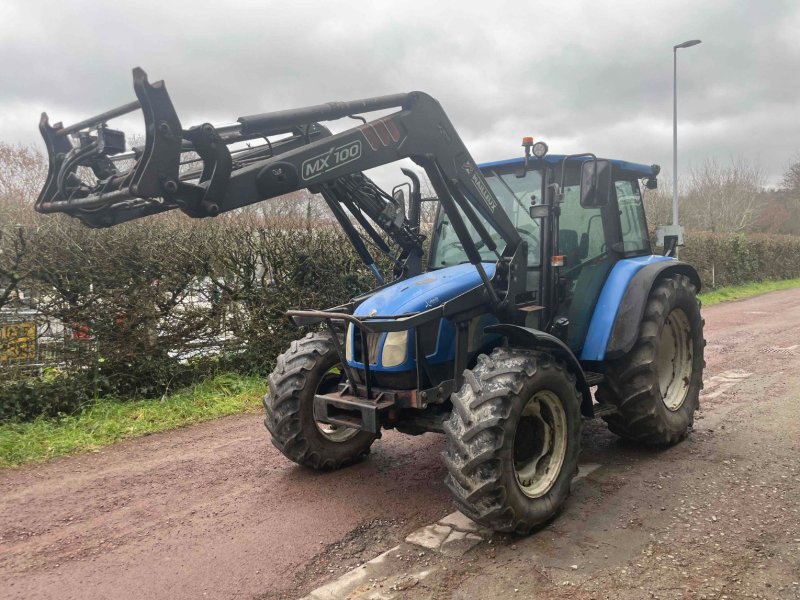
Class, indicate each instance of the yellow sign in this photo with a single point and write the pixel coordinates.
(17, 342)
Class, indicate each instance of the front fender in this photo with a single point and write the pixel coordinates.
(534, 339)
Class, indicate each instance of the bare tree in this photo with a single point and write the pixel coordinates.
(301, 204)
(658, 203)
(723, 198)
(791, 178)
(22, 172)
(781, 212)
(13, 251)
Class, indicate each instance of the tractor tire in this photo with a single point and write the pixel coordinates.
(309, 367)
(513, 440)
(656, 386)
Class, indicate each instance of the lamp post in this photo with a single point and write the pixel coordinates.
(686, 44)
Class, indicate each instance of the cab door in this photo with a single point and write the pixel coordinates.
(588, 240)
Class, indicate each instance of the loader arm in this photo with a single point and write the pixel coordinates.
(308, 156)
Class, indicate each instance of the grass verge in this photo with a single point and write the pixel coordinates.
(110, 420)
(738, 292)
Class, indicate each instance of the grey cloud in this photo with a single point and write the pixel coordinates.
(587, 76)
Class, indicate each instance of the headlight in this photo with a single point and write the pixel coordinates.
(348, 343)
(395, 348)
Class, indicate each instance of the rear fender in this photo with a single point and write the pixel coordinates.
(534, 339)
(625, 330)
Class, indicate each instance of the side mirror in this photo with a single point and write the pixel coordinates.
(399, 197)
(595, 183)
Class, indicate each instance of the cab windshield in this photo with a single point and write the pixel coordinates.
(516, 194)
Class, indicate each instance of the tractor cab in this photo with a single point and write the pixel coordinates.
(588, 242)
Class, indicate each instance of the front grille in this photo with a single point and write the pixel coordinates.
(373, 345)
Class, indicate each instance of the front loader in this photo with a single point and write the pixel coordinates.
(539, 303)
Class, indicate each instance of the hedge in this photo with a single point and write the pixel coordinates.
(148, 307)
(724, 259)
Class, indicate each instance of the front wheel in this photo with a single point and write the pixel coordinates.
(310, 366)
(513, 440)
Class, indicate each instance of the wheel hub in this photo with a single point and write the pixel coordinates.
(674, 362)
(540, 443)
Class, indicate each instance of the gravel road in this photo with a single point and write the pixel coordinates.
(213, 511)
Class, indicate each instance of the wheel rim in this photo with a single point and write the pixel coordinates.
(540, 443)
(674, 362)
(334, 433)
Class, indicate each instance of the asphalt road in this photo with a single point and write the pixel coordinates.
(214, 511)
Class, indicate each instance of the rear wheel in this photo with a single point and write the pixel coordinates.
(513, 440)
(310, 366)
(656, 386)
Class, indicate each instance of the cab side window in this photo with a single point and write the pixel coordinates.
(631, 216)
(580, 236)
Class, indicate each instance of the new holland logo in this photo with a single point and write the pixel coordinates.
(480, 185)
(335, 157)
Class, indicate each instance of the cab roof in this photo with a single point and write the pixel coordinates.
(627, 168)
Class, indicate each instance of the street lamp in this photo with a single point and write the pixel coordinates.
(687, 44)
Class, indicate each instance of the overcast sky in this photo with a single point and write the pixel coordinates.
(585, 76)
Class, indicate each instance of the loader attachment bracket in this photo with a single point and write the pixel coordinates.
(156, 172)
(147, 187)
(217, 165)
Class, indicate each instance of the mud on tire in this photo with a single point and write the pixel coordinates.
(488, 433)
(656, 397)
(307, 366)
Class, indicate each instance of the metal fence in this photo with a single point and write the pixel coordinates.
(29, 341)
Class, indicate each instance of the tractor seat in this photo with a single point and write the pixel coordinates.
(568, 246)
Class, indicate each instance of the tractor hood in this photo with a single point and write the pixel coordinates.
(423, 291)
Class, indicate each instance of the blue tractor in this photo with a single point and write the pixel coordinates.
(536, 285)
